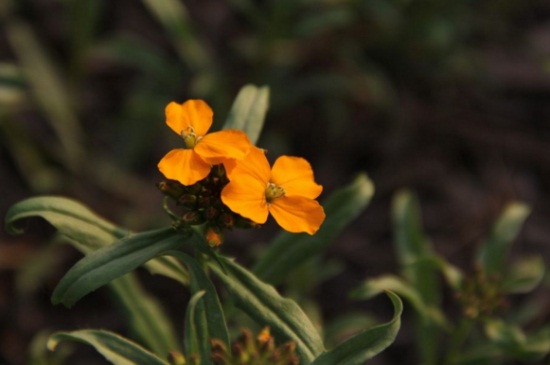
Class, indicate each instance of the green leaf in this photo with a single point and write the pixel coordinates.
(87, 232)
(84, 18)
(248, 111)
(513, 342)
(173, 16)
(417, 259)
(288, 250)
(409, 238)
(110, 262)
(346, 325)
(116, 349)
(492, 255)
(373, 287)
(365, 345)
(71, 218)
(147, 320)
(47, 85)
(84, 228)
(267, 307)
(196, 334)
(524, 275)
(210, 303)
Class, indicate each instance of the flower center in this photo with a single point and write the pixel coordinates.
(273, 192)
(189, 137)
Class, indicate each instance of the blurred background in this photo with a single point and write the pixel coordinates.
(449, 99)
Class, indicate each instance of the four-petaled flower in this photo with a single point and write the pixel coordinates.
(287, 191)
(192, 120)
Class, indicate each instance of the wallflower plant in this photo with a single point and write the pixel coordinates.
(239, 174)
(218, 182)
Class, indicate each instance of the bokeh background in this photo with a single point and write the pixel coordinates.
(447, 98)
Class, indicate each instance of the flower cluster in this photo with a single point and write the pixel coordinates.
(249, 350)
(221, 179)
(245, 350)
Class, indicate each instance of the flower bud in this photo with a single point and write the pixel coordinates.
(226, 220)
(192, 218)
(176, 358)
(213, 237)
(171, 188)
(211, 213)
(203, 202)
(188, 200)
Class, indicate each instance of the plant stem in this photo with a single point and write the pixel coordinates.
(459, 337)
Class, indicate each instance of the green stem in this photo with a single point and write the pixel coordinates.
(168, 210)
(458, 339)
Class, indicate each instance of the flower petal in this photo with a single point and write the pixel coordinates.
(296, 176)
(219, 146)
(297, 214)
(246, 196)
(192, 113)
(255, 165)
(184, 166)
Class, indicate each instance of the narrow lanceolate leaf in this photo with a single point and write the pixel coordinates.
(523, 275)
(87, 232)
(409, 238)
(365, 345)
(47, 86)
(515, 343)
(289, 250)
(71, 218)
(175, 19)
(375, 286)
(492, 254)
(196, 333)
(113, 261)
(417, 259)
(148, 323)
(267, 307)
(210, 303)
(248, 111)
(84, 228)
(116, 349)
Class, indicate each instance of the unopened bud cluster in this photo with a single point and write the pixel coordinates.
(250, 350)
(481, 295)
(200, 204)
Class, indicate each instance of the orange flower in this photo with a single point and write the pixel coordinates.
(192, 120)
(287, 191)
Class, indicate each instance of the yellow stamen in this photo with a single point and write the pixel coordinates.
(189, 137)
(273, 191)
